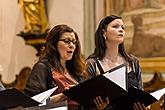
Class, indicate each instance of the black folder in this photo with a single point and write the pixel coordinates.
(85, 92)
(134, 95)
(11, 98)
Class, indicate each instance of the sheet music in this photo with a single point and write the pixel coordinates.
(42, 97)
(118, 76)
(158, 94)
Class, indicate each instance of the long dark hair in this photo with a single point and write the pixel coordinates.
(100, 45)
(76, 65)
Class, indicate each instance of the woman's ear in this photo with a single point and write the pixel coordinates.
(105, 37)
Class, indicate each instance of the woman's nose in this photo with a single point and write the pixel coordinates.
(121, 29)
(71, 44)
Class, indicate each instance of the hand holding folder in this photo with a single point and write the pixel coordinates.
(101, 85)
(112, 84)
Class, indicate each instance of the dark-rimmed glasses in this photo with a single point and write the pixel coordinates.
(68, 41)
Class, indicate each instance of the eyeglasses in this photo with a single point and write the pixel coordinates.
(68, 41)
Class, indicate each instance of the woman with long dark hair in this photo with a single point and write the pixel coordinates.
(110, 53)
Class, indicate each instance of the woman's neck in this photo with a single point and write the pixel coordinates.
(112, 58)
(112, 53)
(63, 64)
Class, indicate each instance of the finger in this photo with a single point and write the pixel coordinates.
(97, 105)
(140, 106)
(135, 107)
(66, 88)
(100, 100)
(96, 101)
(107, 100)
(143, 106)
(71, 86)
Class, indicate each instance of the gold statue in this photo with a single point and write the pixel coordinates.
(34, 15)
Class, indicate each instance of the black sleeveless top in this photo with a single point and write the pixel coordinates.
(133, 77)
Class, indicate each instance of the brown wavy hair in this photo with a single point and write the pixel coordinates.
(76, 65)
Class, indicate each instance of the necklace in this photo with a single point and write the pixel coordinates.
(108, 63)
(111, 60)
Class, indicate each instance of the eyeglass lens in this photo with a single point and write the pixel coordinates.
(68, 41)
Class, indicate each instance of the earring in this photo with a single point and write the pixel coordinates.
(105, 37)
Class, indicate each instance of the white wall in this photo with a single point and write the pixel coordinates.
(99, 11)
(69, 12)
(14, 54)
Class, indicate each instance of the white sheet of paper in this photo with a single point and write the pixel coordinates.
(42, 97)
(118, 76)
(158, 94)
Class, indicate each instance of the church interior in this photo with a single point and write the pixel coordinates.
(24, 25)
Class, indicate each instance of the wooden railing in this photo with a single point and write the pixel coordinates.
(153, 64)
(155, 67)
(20, 80)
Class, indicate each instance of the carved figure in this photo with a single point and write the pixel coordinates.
(34, 15)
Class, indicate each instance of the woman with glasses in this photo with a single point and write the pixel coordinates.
(61, 64)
